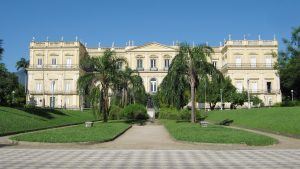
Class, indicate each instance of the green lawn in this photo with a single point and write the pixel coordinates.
(99, 133)
(185, 131)
(18, 120)
(283, 120)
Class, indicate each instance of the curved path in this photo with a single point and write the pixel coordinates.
(150, 146)
(153, 136)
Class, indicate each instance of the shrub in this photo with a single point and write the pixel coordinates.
(29, 106)
(135, 112)
(174, 114)
(185, 114)
(115, 113)
(168, 113)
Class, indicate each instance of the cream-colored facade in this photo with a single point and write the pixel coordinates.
(54, 68)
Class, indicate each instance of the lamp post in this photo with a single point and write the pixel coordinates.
(221, 92)
(52, 101)
(248, 92)
(292, 92)
(13, 97)
(81, 100)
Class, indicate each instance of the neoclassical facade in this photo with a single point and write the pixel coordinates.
(54, 68)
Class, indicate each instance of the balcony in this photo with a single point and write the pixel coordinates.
(53, 67)
(153, 69)
(251, 42)
(54, 44)
(56, 92)
(140, 69)
(264, 91)
(248, 66)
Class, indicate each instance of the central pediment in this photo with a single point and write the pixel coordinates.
(153, 46)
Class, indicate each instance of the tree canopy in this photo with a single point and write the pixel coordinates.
(289, 65)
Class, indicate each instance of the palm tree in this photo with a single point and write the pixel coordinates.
(100, 73)
(188, 65)
(1, 49)
(130, 85)
(23, 65)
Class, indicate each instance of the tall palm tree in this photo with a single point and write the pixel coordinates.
(1, 49)
(100, 73)
(130, 85)
(23, 65)
(188, 65)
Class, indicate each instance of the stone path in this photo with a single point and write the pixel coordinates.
(44, 158)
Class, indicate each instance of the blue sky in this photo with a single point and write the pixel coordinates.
(141, 21)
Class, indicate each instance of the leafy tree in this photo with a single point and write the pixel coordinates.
(289, 65)
(188, 65)
(100, 73)
(8, 84)
(210, 88)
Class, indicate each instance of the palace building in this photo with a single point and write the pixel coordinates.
(54, 68)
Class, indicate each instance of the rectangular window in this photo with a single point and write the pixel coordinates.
(253, 61)
(153, 63)
(40, 61)
(67, 87)
(167, 63)
(119, 65)
(269, 87)
(139, 64)
(238, 61)
(239, 86)
(214, 63)
(52, 102)
(53, 61)
(39, 87)
(254, 87)
(52, 86)
(69, 62)
(268, 61)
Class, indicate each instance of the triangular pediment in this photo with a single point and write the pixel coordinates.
(153, 46)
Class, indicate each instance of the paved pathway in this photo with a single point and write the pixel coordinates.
(43, 158)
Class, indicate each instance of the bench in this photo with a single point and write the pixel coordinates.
(89, 124)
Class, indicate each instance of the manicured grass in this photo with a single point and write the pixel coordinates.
(283, 120)
(18, 120)
(99, 133)
(185, 131)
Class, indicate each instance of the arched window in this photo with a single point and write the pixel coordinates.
(153, 85)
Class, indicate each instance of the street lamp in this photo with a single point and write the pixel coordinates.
(81, 100)
(52, 101)
(292, 91)
(248, 92)
(221, 90)
(13, 96)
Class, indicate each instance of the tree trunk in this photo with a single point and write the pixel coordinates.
(105, 104)
(193, 115)
(125, 97)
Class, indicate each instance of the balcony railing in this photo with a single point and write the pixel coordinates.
(60, 66)
(49, 92)
(251, 42)
(264, 91)
(152, 70)
(54, 44)
(238, 66)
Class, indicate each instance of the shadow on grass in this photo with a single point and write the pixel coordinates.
(42, 112)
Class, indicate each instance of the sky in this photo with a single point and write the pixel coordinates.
(142, 21)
